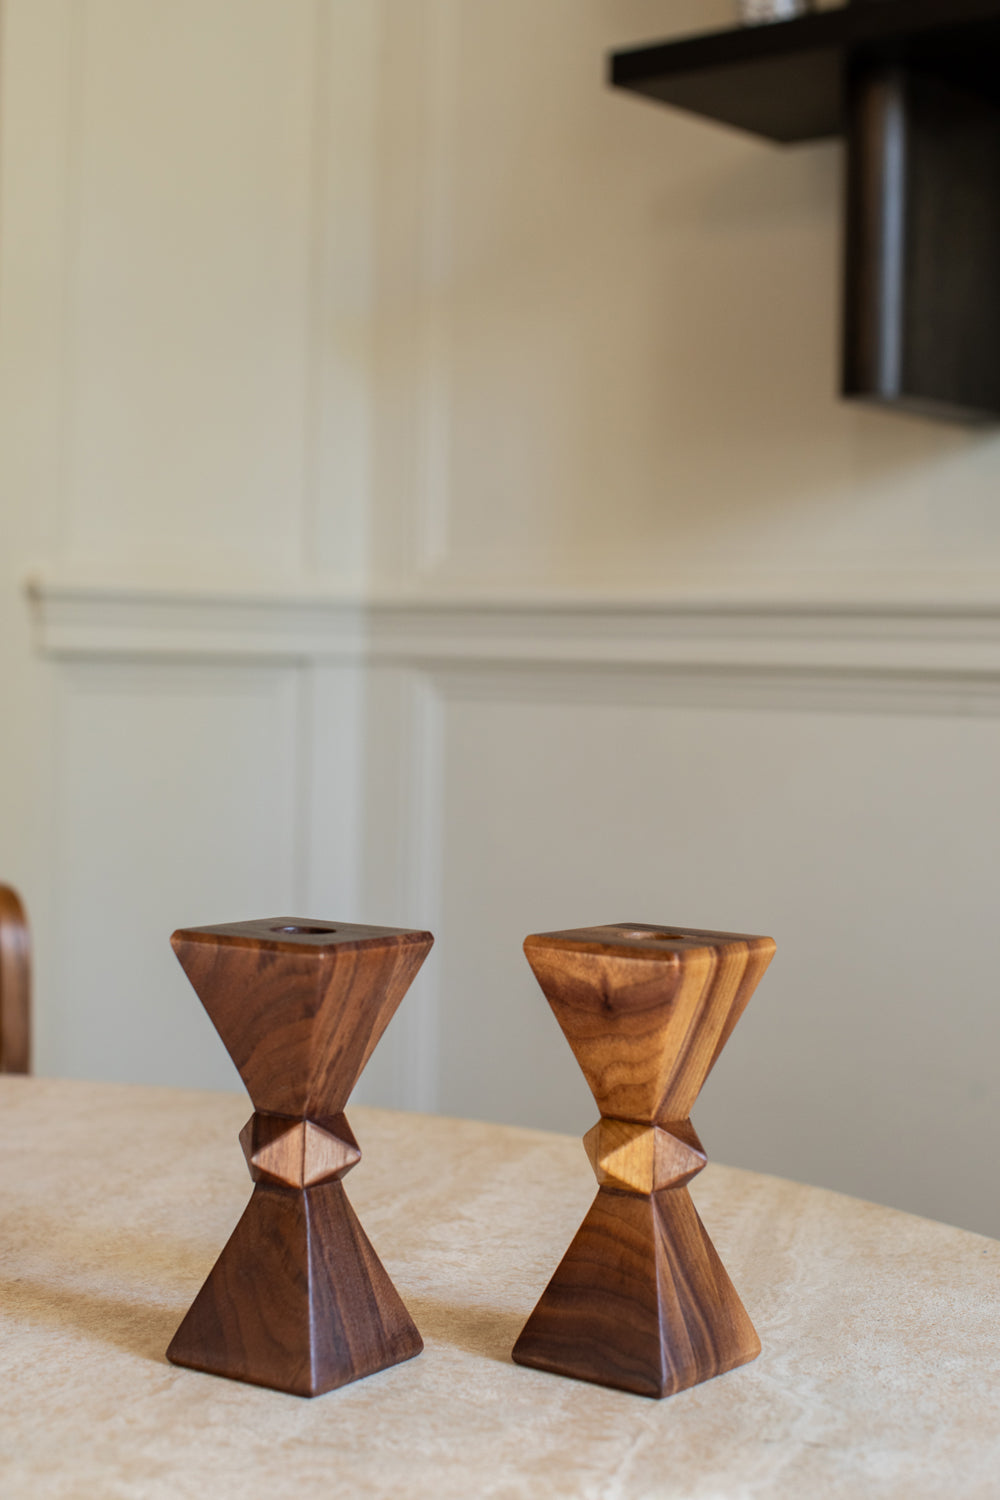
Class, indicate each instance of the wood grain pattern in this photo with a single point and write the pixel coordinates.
(299, 1153)
(15, 984)
(641, 1300)
(298, 1300)
(645, 1158)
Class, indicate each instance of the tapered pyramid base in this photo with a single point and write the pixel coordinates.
(298, 1300)
(640, 1301)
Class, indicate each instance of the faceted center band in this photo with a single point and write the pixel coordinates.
(642, 1158)
(298, 1153)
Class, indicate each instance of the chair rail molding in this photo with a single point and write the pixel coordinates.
(860, 654)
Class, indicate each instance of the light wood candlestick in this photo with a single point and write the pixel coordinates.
(641, 1300)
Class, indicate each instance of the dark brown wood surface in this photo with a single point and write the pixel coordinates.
(786, 81)
(300, 1006)
(641, 1300)
(922, 303)
(15, 984)
(913, 85)
(298, 1299)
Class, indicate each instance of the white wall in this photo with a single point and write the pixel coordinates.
(441, 514)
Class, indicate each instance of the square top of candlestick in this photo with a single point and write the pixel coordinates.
(299, 1003)
(647, 1009)
(643, 940)
(299, 932)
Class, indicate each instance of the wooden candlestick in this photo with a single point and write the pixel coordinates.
(298, 1300)
(641, 1300)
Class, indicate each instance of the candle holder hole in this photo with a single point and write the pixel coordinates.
(304, 930)
(651, 937)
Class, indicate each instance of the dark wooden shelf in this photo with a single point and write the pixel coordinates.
(786, 80)
(914, 85)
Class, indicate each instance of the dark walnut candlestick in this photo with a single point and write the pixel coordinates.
(641, 1300)
(298, 1300)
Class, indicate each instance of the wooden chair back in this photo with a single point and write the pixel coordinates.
(15, 984)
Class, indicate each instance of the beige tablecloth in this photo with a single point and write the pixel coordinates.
(881, 1335)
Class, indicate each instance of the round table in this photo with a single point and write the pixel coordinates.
(880, 1331)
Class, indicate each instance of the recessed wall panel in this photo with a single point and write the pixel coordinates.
(865, 845)
(177, 805)
(188, 269)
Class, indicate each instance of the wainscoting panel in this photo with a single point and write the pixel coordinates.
(400, 862)
(864, 845)
(826, 776)
(351, 351)
(191, 176)
(177, 790)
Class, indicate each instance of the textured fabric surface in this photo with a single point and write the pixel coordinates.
(878, 1377)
